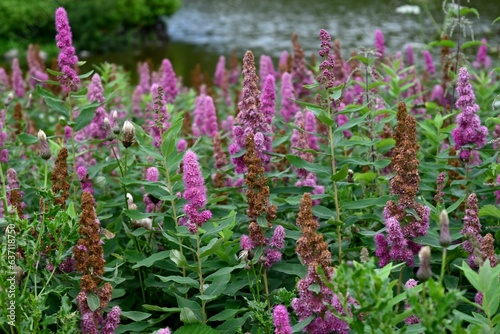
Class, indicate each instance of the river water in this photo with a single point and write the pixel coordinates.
(204, 29)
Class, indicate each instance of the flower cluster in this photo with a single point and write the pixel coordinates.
(327, 66)
(67, 58)
(402, 227)
(469, 129)
(195, 193)
(59, 178)
(250, 120)
(472, 228)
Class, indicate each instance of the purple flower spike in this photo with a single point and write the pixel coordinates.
(169, 81)
(17, 78)
(246, 242)
(67, 58)
(195, 192)
(310, 126)
(112, 321)
(482, 58)
(409, 55)
(288, 107)
(269, 98)
(379, 42)
(278, 239)
(469, 129)
(429, 62)
(281, 320)
(211, 126)
(219, 71)
(266, 66)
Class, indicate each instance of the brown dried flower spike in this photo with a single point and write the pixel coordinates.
(59, 178)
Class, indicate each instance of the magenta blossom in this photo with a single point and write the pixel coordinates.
(67, 59)
(469, 129)
(281, 320)
(195, 192)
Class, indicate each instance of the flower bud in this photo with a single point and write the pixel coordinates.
(350, 176)
(115, 127)
(425, 271)
(9, 99)
(44, 146)
(444, 231)
(128, 134)
(107, 126)
(30, 100)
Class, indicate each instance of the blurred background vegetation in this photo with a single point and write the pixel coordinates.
(97, 26)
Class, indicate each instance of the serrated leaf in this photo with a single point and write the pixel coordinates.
(149, 261)
(93, 301)
(135, 315)
(489, 210)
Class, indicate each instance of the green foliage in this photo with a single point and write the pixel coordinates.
(96, 26)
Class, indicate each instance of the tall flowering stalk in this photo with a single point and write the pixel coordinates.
(195, 193)
(327, 79)
(482, 58)
(250, 119)
(89, 260)
(469, 129)
(401, 227)
(169, 81)
(59, 178)
(317, 302)
(472, 229)
(17, 79)
(67, 58)
(288, 107)
(300, 74)
(380, 42)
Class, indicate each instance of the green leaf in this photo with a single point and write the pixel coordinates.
(189, 317)
(218, 285)
(471, 43)
(352, 123)
(197, 328)
(298, 162)
(93, 301)
(471, 275)
(341, 174)
(86, 75)
(136, 215)
(466, 10)
(52, 101)
(161, 309)
(170, 136)
(149, 261)
(180, 280)
(211, 248)
(135, 315)
(366, 203)
(290, 269)
(323, 212)
(489, 210)
(444, 42)
(178, 258)
(27, 139)
(455, 205)
(302, 324)
(224, 315)
(322, 115)
(86, 115)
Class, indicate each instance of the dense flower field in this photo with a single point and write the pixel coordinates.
(332, 194)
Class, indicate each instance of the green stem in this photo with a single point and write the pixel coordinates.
(200, 274)
(400, 283)
(4, 194)
(335, 191)
(46, 174)
(443, 265)
(266, 288)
